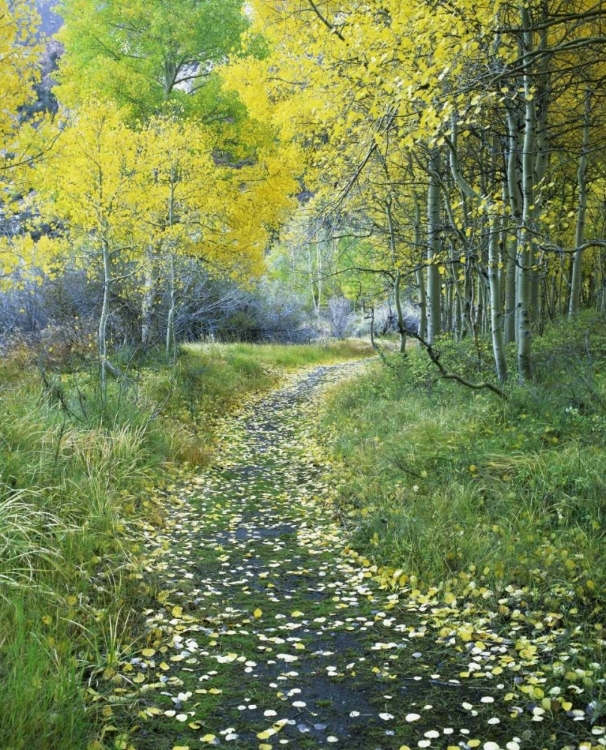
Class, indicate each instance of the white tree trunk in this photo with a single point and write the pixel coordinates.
(495, 305)
(577, 262)
(525, 253)
(103, 320)
(147, 303)
(420, 278)
(398, 279)
(434, 280)
(171, 338)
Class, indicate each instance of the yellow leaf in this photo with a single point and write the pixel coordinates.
(258, 613)
(266, 734)
(148, 652)
(177, 611)
(208, 738)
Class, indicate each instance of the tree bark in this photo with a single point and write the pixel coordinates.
(171, 338)
(434, 280)
(147, 303)
(495, 305)
(525, 254)
(577, 261)
(103, 320)
(397, 281)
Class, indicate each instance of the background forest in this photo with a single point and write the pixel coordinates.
(209, 170)
(188, 186)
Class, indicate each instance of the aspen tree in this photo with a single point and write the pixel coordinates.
(87, 188)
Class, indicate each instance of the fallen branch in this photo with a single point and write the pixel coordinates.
(435, 358)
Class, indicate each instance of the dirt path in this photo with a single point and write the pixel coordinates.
(266, 634)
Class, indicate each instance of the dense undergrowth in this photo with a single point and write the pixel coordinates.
(73, 469)
(478, 497)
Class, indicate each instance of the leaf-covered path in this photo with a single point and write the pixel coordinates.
(268, 633)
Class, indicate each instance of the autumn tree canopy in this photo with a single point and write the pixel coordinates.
(459, 137)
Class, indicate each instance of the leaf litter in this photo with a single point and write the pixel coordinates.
(268, 631)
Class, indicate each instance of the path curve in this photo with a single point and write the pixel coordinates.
(266, 634)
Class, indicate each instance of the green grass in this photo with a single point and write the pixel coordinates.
(499, 503)
(210, 379)
(73, 469)
(455, 486)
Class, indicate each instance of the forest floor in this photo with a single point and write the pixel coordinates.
(266, 631)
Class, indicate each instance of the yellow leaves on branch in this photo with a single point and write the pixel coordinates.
(19, 60)
(86, 182)
(165, 185)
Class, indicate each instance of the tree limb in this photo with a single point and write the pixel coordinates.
(435, 358)
(326, 22)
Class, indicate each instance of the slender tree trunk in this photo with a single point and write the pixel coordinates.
(541, 102)
(459, 323)
(420, 278)
(372, 327)
(449, 297)
(509, 327)
(319, 266)
(434, 280)
(399, 312)
(525, 253)
(495, 305)
(397, 281)
(312, 281)
(515, 203)
(147, 303)
(171, 338)
(577, 262)
(102, 335)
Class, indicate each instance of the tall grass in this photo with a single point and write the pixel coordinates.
(73, 469)
(439, 480)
